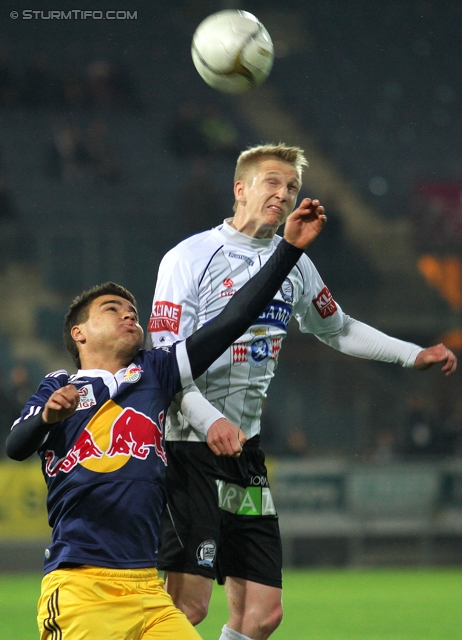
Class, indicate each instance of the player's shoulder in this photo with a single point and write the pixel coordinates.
(57, 374)
(197, 247)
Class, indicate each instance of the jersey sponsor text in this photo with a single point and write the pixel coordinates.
(324, 303)
(165, 317)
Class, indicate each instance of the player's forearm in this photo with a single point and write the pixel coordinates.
(26, 437)
(210, 341)
(361, 340)
(197, 410)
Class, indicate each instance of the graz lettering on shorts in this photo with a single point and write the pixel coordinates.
(251, 501)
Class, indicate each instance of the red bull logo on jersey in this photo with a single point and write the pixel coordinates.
(324, 304)
(132, 373)
(165, 316)
(134, 434)
(84, 448)
(111, 438)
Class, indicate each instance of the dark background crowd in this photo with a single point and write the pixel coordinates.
(112, 149)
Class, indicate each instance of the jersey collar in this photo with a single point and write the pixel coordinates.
(241, 239)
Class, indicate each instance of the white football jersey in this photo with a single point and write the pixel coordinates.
(195, 281)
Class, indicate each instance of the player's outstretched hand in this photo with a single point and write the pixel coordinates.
(225, 438)
(305, 223)
(433, 355)
(61, 404)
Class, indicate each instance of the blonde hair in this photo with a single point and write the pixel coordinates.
(254, 155)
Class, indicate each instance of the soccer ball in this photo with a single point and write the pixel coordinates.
(232, 51)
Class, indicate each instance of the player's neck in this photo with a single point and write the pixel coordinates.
(252, 228)
(97, 361)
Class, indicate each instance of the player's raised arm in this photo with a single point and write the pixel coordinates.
(210, 341)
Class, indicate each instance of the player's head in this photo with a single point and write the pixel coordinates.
(250, 159)
(79, 311)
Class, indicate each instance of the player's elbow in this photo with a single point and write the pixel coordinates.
(14, 451)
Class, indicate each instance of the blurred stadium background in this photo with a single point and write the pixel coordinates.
(112, 149)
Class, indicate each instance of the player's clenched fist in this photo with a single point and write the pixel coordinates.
(61, 404)
(225, 438)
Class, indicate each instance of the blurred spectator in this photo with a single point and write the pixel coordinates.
(8, 85)
(384, 449)
(9, 225)
(220, 133)
(111, 84)
(420, 432)
(71, 89)
(100, 90)
(185, 137)
(38, 85)
(67, 156)
(125, 89)
(8, 207)
(21, 386)
(448, 429)
(199, 205)
(342, 267)
(101, 155)
(296, 445)
(10, 410)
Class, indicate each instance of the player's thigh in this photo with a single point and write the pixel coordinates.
(79, 606)
(189, 590)
(191, 523)
(250, 548)
(89, 603)
(164, 621)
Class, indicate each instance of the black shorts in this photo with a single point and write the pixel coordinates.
(220, 520)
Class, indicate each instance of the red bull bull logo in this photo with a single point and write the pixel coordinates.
(111, 438)
(134, 434)
(84, 448)
(132, 373)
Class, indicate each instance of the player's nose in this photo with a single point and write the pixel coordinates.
(129, 315)
(282, 193)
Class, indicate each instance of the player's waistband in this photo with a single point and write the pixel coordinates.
(106, 573)
(253, 443)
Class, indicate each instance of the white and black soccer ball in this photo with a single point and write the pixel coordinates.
(232, 51)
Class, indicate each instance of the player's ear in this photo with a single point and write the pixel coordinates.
(239, 192)
(78, 334)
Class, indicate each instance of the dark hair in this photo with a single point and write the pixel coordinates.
(79, 310)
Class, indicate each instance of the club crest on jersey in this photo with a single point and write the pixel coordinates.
(206, 552)
(324, 303)
(258, 351)
(287, 291)
(132, 373)
(87, 397)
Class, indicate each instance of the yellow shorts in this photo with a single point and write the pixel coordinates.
(92, 603)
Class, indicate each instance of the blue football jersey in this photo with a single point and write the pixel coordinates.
(105, 465)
